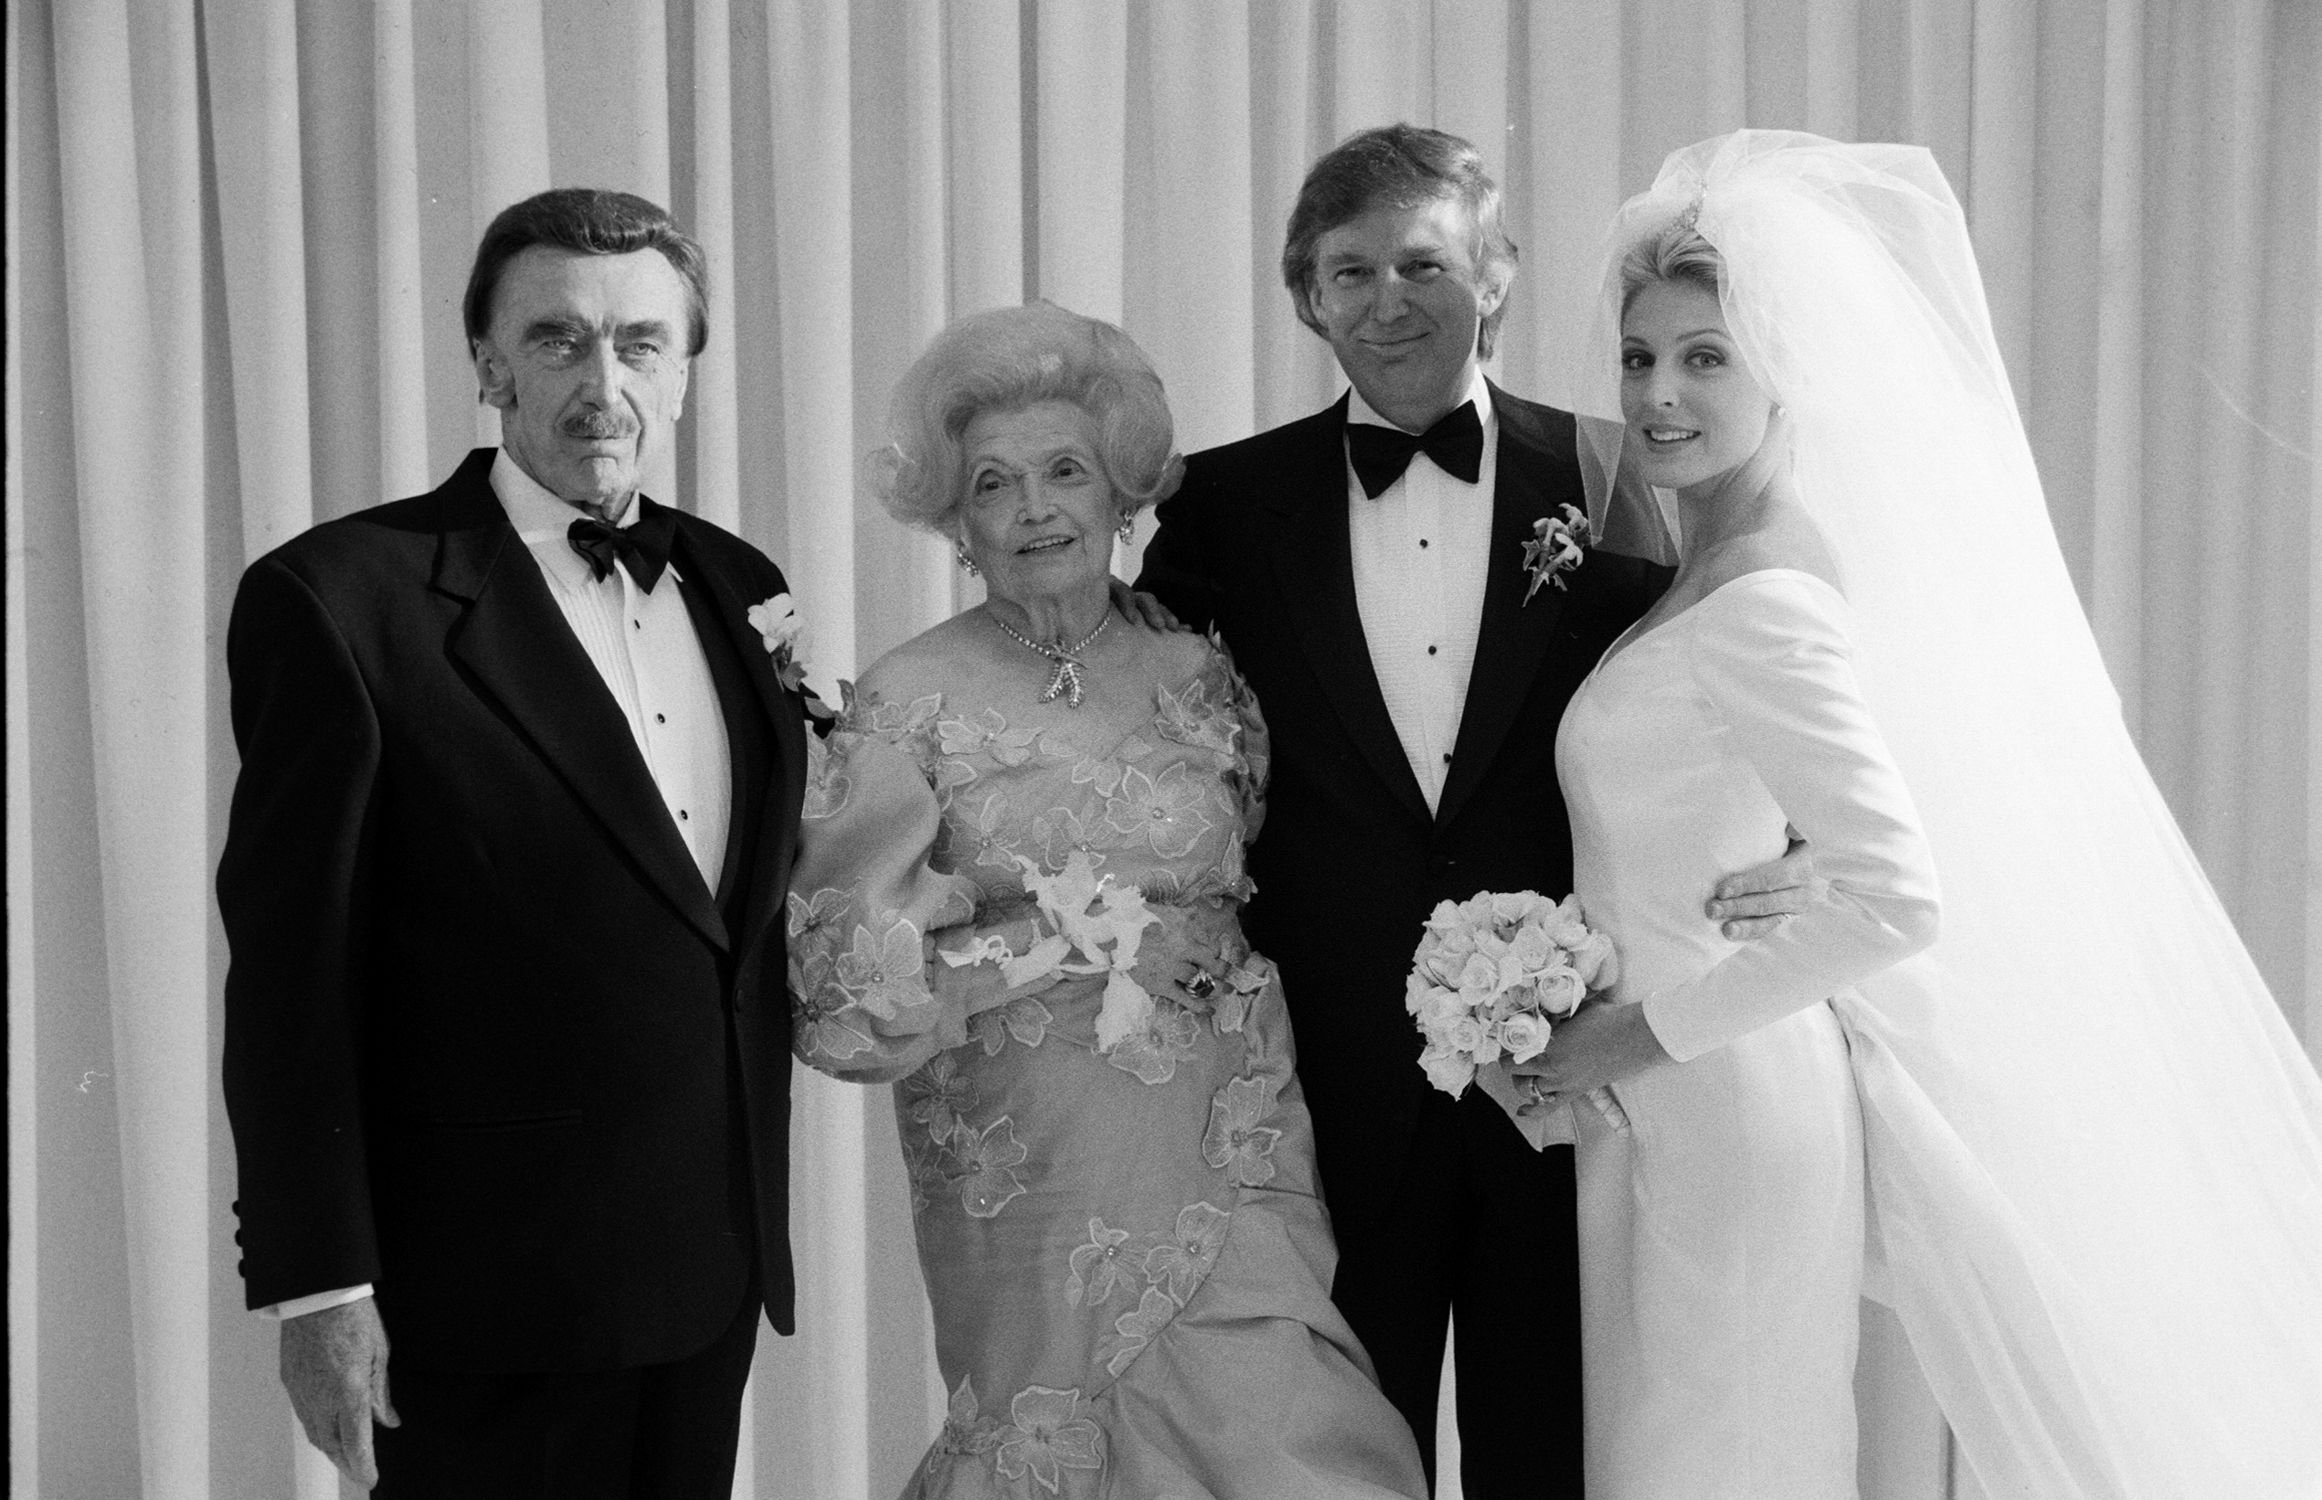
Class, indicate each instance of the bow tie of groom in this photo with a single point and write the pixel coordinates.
(1381, 454)
(645, 546)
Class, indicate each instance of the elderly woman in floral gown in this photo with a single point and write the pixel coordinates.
(1017, 894)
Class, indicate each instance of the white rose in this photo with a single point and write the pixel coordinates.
(1567, 925)
(1457, 944)
(1447, 1072)
(1559, 991)
(1443, 1007)
(1524, 1035)
(777, 621)
(1531, 949)
(1598, 964)
(1512, 906)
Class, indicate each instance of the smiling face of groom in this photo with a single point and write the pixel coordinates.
(1396, 255)
(1402, 302)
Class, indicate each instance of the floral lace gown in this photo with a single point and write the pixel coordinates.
(1120, 1234)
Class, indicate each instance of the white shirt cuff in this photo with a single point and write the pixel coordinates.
(299, 1307)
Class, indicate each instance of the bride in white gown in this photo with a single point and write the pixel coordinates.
(2050, 1093)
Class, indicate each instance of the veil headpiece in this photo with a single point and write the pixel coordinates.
(2095, 1147)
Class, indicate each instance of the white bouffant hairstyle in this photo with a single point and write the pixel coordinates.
(1005, 360)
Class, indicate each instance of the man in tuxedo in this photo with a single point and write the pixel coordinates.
(507, 1046)
(1365, 567)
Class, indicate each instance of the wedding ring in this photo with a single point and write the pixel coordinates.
(1533, 1093)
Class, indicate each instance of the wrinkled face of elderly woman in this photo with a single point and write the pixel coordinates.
(1039, 515)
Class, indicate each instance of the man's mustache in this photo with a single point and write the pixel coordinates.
(596, 427)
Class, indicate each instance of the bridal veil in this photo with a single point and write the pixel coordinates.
(2094, 1146)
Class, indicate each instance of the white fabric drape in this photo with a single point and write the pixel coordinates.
(237, 235)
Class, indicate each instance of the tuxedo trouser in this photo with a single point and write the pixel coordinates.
(1483, 1238)
(657, 1432)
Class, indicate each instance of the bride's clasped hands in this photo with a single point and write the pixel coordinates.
(1601, 1043)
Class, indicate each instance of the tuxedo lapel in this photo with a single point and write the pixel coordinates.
(1533, 478)
(1314, 563)
(776, 840)
(519, 650)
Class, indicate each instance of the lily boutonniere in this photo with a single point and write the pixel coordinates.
(779, 626)
(1559, 544)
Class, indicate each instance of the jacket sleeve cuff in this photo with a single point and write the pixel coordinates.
(299, 1307)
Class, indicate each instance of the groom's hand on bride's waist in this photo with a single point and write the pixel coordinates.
(1753, 903)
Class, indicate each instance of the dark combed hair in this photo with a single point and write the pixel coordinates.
(591, 221)
(1396, 166)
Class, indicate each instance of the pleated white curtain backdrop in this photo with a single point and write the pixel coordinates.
(237, 232)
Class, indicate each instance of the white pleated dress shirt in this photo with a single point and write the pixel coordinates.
(1420, 552)
(644, 647)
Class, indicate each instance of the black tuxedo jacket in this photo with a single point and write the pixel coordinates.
(492, 1043)
(1349, 861)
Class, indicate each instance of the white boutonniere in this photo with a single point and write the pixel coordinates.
(1559, 544)
(779, 626)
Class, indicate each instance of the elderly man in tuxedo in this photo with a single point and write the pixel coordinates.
(1365, 566)
(507, 1049)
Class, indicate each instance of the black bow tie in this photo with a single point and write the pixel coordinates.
(1381, 454)
(645, 546)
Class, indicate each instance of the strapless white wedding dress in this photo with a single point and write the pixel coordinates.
(1722, 1229)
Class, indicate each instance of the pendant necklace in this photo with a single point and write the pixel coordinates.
(1068, 683)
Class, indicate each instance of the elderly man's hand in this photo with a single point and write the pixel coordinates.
(334, 1364)
(1144, 609)
(1755, 902)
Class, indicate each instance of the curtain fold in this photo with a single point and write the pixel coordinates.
(1194, 86)
(254, 122)
(132, 309)
(710, 468)
(1080, 129)
(23, 1118)
(401, 342)
(238, 234)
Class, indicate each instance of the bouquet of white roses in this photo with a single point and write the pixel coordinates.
(1491, 976)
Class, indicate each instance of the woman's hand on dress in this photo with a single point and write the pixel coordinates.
(1598, 1044)
(1167, 961)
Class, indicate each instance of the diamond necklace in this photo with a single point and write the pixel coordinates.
(1068, 683)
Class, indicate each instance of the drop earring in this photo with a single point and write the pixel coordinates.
(967, 564)
(1128, 526)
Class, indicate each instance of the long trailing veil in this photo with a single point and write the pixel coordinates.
(2094, 1148)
